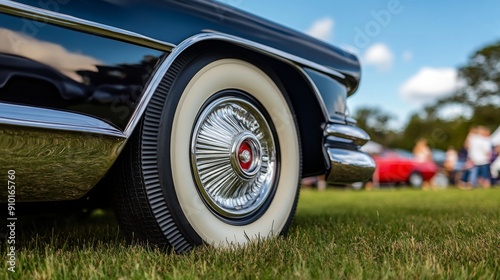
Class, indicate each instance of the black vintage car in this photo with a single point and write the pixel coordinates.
(198, 119)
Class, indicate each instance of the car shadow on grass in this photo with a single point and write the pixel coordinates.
(72, 230)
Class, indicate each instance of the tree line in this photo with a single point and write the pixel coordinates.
(478, 95)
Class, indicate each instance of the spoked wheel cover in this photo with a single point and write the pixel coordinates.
(233, 153)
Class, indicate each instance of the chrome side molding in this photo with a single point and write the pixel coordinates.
(25, 116)
(355, 134)
(26, 11)
(348, 166)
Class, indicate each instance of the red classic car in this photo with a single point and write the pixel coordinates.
(400, 167)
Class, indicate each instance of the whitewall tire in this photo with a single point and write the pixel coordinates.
(217, 158)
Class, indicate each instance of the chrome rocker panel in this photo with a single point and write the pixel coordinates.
(56, 155)
(54, 165)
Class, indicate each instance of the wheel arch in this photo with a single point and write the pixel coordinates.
(301, 91)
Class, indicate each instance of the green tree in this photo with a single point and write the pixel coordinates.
(375, 122)
(478, 95)
(480, 89)
(440, 133)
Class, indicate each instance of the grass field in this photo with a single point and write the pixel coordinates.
(382, 234)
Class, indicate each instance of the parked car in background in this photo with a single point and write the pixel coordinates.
(400, 167)
(197, 118)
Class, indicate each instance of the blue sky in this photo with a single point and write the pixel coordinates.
(410, 49)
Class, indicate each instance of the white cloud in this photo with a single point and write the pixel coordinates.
(47, 53)
(380, 56)
(407, 56)
(453, 111)
(322, 29)
(429, 84)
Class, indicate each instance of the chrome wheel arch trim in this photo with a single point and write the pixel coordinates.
(27, 116)
(59, 19)
(294, 61)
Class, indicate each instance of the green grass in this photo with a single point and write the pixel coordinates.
(383, 234)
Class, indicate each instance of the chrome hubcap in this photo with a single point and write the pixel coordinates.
(246, 155)
(233, 155)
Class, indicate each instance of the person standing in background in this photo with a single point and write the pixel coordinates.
(495, 166)
(450, 163)
(467, 167)
(479, 150)
(423, 153)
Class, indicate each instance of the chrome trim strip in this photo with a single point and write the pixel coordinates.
(19, 115)
(165, 66)
(349, 166)
(357, 135)
(38, 14)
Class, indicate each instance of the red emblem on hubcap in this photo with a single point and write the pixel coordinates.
(245, 156)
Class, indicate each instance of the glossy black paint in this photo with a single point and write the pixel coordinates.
(173, 21)
(333, 93)
(57, 68)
